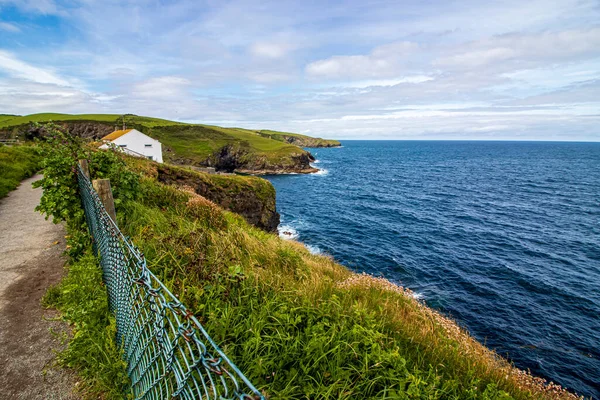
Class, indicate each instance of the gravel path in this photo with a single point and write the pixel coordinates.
(30, 262)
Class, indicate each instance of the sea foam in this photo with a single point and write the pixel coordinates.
(287, 232)
(315, 250)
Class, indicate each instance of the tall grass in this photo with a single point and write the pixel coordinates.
(82, 300)
(16, 164)
(302, 326)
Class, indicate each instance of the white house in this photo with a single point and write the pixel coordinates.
(134, 142)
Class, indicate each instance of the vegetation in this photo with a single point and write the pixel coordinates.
(192, 144)
(16, 164)
(299, 140)
(81, 296)
(302, 326)
(82, 300)
(195, 143)
(298, 325)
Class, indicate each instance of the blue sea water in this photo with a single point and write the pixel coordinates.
(503, 236)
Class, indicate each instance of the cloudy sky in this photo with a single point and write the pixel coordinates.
(356, 69)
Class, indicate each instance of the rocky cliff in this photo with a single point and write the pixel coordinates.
(251, 197)
(232, 158)
(299, 140)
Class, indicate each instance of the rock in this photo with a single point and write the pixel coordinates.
(251, 197)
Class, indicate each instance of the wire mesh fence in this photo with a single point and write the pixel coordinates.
(168, 352)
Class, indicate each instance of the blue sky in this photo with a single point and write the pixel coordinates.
(350, 70)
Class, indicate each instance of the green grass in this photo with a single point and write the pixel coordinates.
(43, 117)
(198, 142)
(300, 140)
(188, 143)
(82, 301)
(301, 326)
(7, 121)
(16, 164)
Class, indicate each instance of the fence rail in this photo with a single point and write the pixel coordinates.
(168, 352)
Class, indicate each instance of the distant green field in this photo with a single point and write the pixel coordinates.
(15, 120)
(185, 143)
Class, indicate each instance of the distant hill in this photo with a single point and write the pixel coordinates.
(298, 139)
(243, 150)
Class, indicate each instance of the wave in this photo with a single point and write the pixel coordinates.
(321, 172)
(315, 250)
(287, 232)
(417, 296)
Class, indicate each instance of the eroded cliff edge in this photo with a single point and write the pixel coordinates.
(251, 197)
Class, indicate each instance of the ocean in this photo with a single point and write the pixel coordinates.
(502, 236)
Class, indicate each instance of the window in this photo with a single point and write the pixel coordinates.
(122, 145)
(150, 158)
(148, 145)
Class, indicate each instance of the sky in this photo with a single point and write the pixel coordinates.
(359, 69)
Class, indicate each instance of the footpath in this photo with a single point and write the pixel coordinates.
(30, 262)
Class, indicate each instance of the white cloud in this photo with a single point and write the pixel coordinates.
(534, 48)
(164, 87)
(270, 49)
(383, 61)
(37, 6)
(8, 27)
(269, 77)
(387, 82)
(12, 66)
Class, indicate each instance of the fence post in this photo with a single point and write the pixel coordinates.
(85, 168)
(102, 187)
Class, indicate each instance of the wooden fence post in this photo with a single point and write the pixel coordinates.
(102, 187)
(85, 168)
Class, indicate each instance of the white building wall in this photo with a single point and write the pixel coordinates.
(135, 141)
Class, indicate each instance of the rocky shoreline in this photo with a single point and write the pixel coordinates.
(277, 171)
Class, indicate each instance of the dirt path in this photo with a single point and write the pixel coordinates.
(30, 262)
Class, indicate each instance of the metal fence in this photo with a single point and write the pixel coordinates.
(168, 352)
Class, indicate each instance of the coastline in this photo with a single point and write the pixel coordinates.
(296, 223)
(453, 330)
(262, 172)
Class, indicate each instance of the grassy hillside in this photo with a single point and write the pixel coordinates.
(191, 144)
(16, 164)
(298, 325)
(302, 326)
(250, 196)
(298, 139)
(7, 121)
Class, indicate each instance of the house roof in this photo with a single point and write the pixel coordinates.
(116, 134)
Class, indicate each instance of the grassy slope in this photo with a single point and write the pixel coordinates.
(16, 164)
(298, 325)
(303, 140)
(82, 300)
(302, 326)
(192, 143)
(198, 142)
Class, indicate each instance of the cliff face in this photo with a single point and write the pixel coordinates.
(230, 159)
(253, 198)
